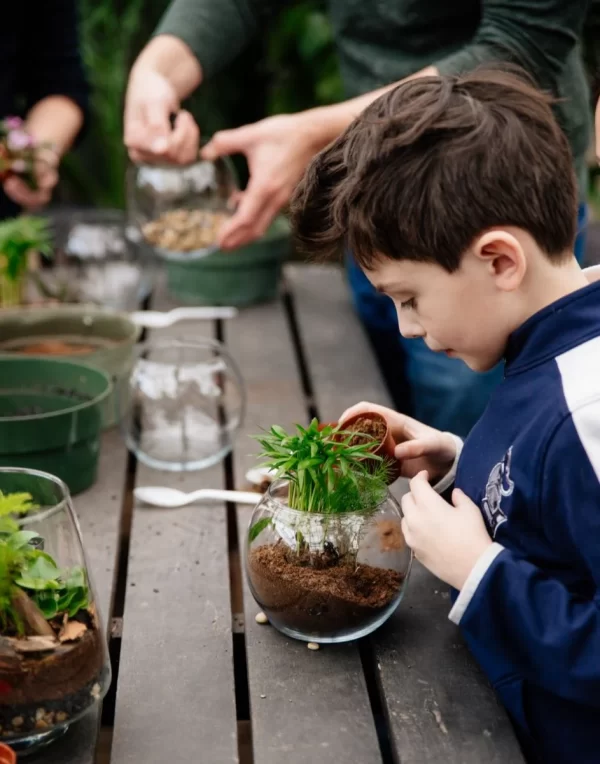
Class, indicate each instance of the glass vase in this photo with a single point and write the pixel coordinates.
(178, 210)
(326, 577)
(54, 665)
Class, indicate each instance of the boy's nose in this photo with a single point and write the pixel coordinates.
(409, 328)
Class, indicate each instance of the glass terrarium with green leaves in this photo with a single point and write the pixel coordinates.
(19, 237)
(326, 558)
(53, 657)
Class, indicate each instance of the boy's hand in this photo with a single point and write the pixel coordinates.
(447, 539)
(419, 447)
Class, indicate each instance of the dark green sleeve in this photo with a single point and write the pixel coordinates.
(215, 30)
(537, 34)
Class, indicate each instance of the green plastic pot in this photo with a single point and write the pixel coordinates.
(51, 417)
(111, 333)
(244, 276)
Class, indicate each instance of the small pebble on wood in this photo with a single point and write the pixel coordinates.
(261, 618)
(313, 646)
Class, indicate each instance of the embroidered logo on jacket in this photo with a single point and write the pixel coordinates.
(498, 485)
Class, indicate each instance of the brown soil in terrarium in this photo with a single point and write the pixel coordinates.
(55, 348)
(51, 674)
(320, 593)
(368, 429)
(45, 681)
(184, 230)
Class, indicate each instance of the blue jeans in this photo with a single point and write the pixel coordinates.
(440, 391)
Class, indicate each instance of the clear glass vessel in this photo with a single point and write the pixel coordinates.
(184, 404)
(98, 260)
(326, 577)
(178, 210)
(54, 664)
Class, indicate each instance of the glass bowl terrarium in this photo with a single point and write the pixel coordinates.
(53, 660)
(326, 558)
(178, 210)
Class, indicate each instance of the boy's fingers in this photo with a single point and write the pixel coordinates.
(459, 498)
(421, 490)
(406, 532)
(411, 449)
(408, 504)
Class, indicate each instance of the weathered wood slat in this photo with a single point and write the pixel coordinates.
(175, 697)
(440, 707)
(306, 706)
(99, 512)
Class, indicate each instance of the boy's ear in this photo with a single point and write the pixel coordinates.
(503, 256)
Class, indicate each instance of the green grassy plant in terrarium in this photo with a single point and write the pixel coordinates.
(326, 557)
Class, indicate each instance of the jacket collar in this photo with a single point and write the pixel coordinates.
(554, 330)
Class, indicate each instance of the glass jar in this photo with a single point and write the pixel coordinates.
(178, 210)
(326, 577)
(54, 663)
(97, 260)
(184, 404)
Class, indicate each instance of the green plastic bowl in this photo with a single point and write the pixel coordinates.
(244, 276)
(111, 334)
(51, 417)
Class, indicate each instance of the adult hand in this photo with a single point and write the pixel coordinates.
(277, 149)
(46, 172)
(447, 539)
(419, 447)
(150, 101)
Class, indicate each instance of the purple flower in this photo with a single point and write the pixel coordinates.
(18, 140)
(13, 123)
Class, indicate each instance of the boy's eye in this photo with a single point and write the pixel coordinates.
(409, 304)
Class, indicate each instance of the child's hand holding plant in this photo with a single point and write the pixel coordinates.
(419, 447)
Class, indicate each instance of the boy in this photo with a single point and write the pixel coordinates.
(457, 196)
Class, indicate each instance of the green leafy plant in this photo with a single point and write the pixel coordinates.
(327, 471)
(18, 237)
(33, 589)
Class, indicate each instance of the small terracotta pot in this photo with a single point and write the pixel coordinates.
(7, 755)
(387, 444)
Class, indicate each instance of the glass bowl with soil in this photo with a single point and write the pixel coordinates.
(54, 663)
(326, 577)
(178, 210)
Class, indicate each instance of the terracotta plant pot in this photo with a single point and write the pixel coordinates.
(375, 425)
(7, 755)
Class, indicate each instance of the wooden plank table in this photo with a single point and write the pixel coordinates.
(196, 679)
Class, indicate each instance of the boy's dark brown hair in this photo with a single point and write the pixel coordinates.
(433, 163)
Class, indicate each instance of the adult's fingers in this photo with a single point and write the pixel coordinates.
(257, 207)
(184, 140)
(20, 193)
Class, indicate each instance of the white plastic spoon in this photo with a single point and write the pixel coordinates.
(156, 319)
(170, 498)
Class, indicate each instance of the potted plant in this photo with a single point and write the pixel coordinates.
(18, 238)
(325, 557)
(53, 659)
